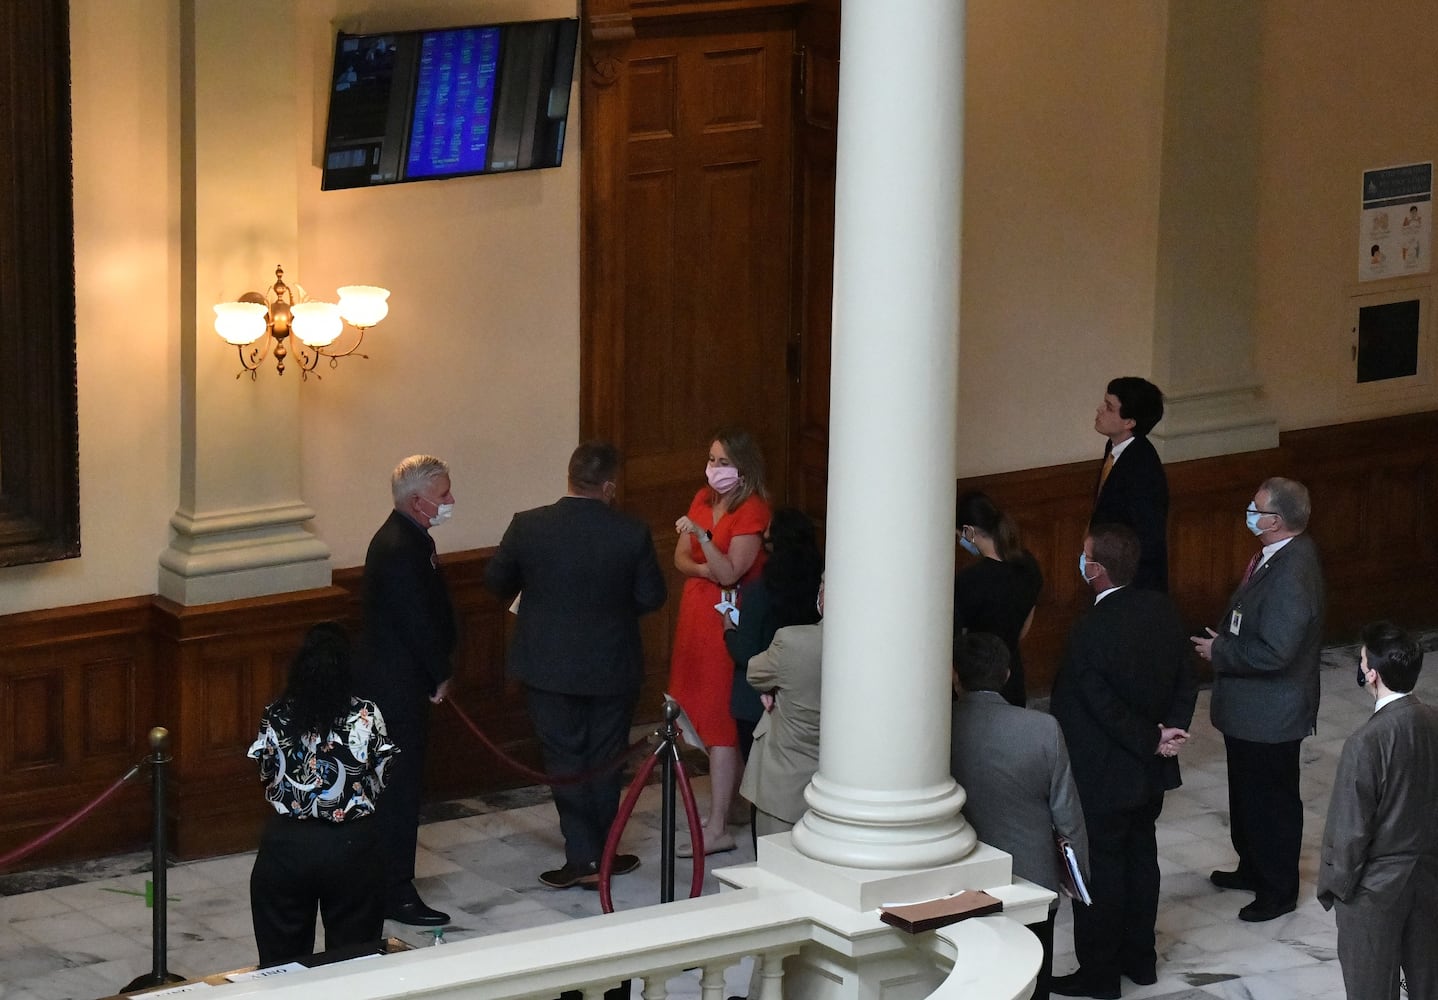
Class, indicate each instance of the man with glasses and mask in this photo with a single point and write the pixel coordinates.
(1265, 696)
(408, 642)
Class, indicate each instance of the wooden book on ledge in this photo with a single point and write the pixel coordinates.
(931, 913)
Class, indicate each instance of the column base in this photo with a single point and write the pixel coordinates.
(1208, 422)
(240, 554)
(861, 828)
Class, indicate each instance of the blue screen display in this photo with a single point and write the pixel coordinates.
(454, 102)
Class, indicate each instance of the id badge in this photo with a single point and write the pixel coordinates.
(1235, 621)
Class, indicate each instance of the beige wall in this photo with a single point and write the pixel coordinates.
(1346, 88)
(478, 361)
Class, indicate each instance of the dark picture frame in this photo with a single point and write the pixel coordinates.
(39, 434)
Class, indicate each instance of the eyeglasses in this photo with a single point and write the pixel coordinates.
(1253, 509)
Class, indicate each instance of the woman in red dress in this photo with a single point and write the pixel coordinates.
(720, 549)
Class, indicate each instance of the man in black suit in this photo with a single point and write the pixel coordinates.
(1132, 488)
(408, 642)
(584, 573)
(1123, 697)
(1380, 845)
(1265, 696)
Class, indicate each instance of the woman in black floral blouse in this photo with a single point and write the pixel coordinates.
(323, 754)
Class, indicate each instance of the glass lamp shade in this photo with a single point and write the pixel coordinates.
(316, 324)
(363, 305)
(240, 323)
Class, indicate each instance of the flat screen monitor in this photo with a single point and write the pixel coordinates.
(424, 105)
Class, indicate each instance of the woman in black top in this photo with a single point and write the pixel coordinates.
(784, 595)
(322, 754)
(997, 592)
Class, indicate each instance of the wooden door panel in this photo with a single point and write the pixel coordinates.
(693, 333)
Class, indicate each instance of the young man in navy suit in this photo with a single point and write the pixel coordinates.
(584, 574)
(1132, 488)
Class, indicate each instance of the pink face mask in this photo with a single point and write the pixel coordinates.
(722, 478)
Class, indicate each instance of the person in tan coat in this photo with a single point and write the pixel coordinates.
(786, 741)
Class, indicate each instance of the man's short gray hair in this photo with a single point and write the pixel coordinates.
(413, 474)
(1288, 498)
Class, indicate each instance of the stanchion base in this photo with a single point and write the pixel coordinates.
(150, 980)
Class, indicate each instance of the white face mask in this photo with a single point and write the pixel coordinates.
(442, 512)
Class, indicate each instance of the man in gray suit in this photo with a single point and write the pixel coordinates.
(1380, 846)
(1265, 696)
(786, 741)
(1014, 766)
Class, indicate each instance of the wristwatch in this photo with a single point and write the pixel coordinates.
(704, 536)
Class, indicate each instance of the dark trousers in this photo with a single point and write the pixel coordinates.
(310, 864)
(406, 715)
(1115, 934)
(578, 733)
(1045, 933)
(1379, 935)
(1266, 815)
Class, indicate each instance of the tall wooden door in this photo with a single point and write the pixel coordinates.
(687, 262)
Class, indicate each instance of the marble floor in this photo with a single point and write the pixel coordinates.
(83, 931)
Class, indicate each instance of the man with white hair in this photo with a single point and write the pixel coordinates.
(409, 638)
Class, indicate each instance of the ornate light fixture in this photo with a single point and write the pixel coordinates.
(261, 322)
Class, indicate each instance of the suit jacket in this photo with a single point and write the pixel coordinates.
(786, 741)
(1381, 828)
(1127, 671)
(1136, 494)
(409, 630)
(1265, 683)
(1014, 766)
(585, 573)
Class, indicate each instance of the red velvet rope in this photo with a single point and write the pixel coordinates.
(539, 777)
(626, 809)
(8, 859)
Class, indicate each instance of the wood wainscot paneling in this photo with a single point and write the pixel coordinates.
(76, 706)
(1374, 486)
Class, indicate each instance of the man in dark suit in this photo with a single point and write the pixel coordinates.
(1123, 697)
(408, 642)
(584, 573)
(1132, 488)
(1380, 846)
(1265, 696)
(1014, 768)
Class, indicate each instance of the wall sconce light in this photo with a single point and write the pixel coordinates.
(261, 322)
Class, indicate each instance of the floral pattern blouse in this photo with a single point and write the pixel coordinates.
(334, 778)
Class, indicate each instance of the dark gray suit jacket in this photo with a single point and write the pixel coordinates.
(585, 573)
(1381, 819)
(1265, 684)
(1014, 766)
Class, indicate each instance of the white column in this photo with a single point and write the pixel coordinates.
(240, 523)
(883, 797)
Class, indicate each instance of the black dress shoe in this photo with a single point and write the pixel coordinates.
(1232, 880)
(416, 914)
(1258, 911)
(571, 875)
(1081, 984)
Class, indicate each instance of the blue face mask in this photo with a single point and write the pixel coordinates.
(968, 546)
(1083, 566)
(1252, 518)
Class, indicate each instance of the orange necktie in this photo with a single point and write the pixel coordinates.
(1107, 468)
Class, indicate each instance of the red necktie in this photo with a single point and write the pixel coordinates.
(1252, 565)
